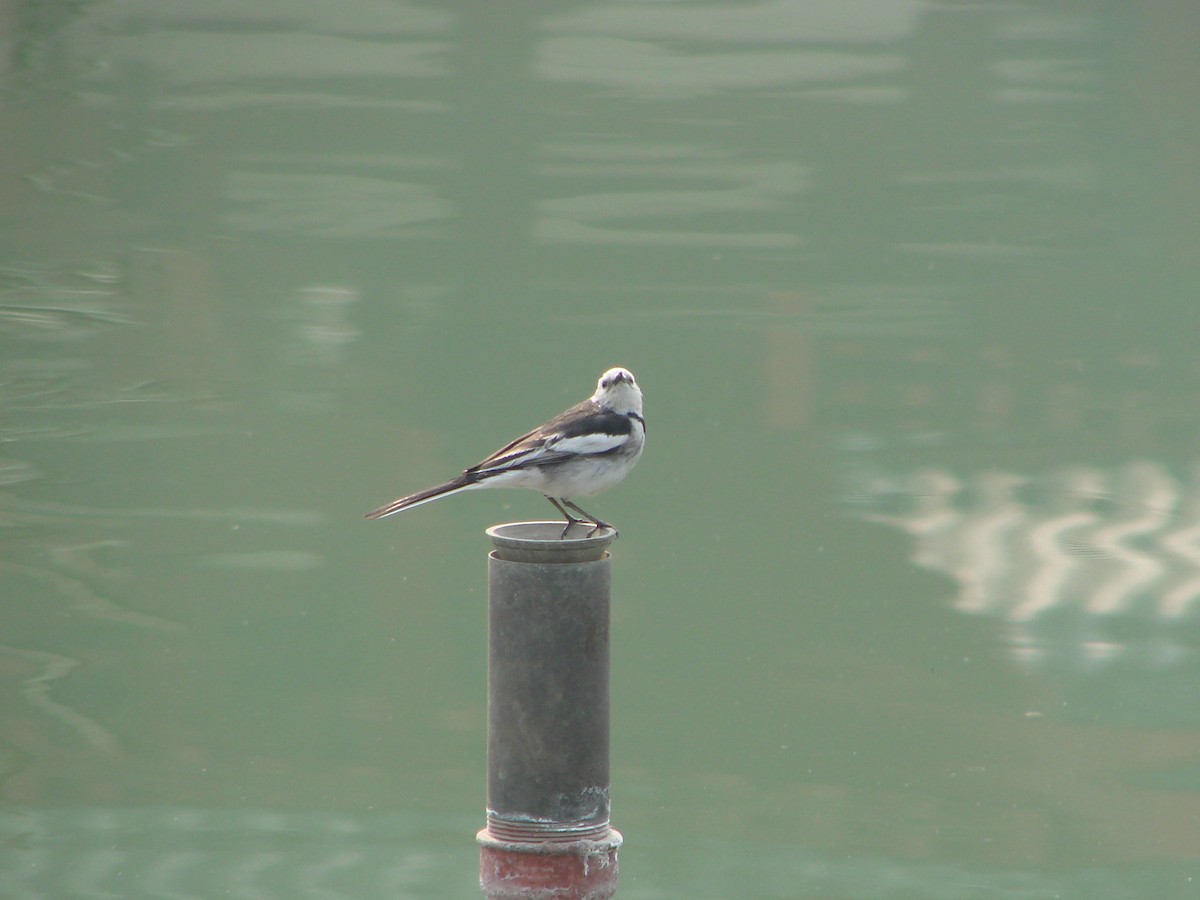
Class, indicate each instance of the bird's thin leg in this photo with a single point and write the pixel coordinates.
(596, 523)
(571, 520)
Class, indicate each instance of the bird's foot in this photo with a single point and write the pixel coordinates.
(597, 525)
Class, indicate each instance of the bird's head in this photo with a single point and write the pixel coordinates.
(617, 390)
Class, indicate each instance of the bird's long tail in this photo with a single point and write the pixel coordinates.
(453, 486)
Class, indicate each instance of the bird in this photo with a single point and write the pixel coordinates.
(580, 452)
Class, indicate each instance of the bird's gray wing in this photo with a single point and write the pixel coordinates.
(583, 430)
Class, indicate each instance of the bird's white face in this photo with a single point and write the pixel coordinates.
(617, 390)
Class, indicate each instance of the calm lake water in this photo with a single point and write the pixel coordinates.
(907, 594)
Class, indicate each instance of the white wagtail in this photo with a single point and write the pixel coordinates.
(580, 452)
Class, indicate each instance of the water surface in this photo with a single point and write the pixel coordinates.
(906, 590)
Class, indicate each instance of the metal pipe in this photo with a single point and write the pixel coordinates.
(548, 833)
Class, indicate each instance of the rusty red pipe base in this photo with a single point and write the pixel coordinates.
(548, 870)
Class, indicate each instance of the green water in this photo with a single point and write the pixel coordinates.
(907, 595)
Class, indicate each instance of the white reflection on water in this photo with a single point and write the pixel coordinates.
(265, 561)
(643, 65)
(35, 690)
(93, 852)
(836, 21)
(332, 205)
(1090, 546)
